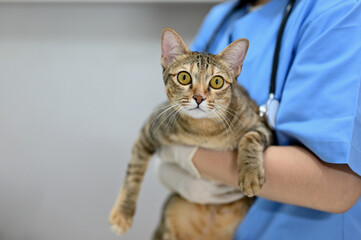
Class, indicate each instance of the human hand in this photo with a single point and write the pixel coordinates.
(180, 155)
(190, 186)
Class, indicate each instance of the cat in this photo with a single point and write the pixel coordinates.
(206, 108)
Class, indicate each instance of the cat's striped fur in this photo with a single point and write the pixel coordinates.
(229, 120)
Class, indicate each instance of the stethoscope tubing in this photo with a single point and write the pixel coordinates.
(277, 50)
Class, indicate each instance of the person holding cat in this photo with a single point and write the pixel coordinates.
(313, 183)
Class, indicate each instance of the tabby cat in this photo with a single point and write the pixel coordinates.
(206, 108)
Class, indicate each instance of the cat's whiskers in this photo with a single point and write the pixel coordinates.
(152, 125)
(170, 114)
(225, 118)
(177, 107)
(163, 108)
(220, 120)
(177, 116)
(168, 107)
(159, 107)
(227, 110)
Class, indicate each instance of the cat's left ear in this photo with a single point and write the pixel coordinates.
(234, 55)
(172, 46)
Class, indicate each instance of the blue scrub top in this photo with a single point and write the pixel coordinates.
(318, 84)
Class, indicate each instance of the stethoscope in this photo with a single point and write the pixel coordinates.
(269, 110)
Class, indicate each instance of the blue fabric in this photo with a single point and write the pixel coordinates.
(318, 83)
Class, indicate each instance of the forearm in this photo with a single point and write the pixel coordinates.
(293, 175)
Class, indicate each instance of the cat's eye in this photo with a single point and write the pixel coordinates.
(216, 82)
(184, 78)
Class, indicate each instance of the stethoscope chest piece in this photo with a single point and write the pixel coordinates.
(269, 111)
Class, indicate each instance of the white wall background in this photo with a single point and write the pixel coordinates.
(77, 80)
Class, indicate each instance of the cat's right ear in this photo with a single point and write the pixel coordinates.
(172, 46)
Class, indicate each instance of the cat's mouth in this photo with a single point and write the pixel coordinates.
(197, 108)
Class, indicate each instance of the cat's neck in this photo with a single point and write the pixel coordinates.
(201, 126)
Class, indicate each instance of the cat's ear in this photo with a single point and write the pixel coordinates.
(234, 55)
(172, 46)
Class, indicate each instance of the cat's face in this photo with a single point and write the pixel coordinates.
(198, 84)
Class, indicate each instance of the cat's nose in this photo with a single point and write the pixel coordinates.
(199, 99)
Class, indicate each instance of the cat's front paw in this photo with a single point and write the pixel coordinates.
(120, 222)
(251, 180)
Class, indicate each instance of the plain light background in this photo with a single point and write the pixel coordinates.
(77, 81)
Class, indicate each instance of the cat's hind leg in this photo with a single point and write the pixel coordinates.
(183, 220)
(164, 229)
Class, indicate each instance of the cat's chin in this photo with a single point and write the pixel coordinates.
(197, 113)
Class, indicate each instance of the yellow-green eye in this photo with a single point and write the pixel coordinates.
(184, 78)
(216, 82)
